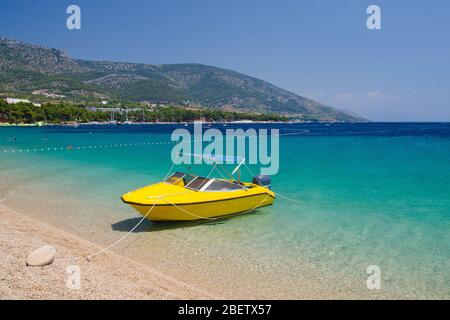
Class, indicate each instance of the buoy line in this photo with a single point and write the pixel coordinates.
(70, 147)
(86, 147)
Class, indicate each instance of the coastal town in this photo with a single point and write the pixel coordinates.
(26, 112)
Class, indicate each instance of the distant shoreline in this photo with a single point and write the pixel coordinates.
(133, 123)
(159, 123)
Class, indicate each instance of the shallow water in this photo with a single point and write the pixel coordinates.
(372, 194)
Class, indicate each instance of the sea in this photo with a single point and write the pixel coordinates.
(363, 209)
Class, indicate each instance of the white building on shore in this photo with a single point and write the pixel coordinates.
(14, 101)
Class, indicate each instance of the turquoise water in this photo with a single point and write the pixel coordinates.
(371, 194)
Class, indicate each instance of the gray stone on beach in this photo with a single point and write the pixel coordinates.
(42, 256)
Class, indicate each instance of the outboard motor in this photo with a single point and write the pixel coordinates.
(262, 180)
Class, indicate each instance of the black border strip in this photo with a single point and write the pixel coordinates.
(280, 309)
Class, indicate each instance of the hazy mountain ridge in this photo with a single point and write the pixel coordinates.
(25, 68)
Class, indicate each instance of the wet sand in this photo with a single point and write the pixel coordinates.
(107, 276)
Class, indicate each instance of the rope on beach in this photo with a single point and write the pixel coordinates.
(89, 258)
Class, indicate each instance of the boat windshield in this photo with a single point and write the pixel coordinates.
(197, 183)
(180, 179)
(174, 177)
(187, 180)
(223, 185)
(202, 184)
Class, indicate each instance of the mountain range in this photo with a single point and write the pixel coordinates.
(28, 69)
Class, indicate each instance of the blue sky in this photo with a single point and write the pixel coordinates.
(319, 49)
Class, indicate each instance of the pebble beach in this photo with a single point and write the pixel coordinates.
(107, 276)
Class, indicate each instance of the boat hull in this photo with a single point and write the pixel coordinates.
(165, 211)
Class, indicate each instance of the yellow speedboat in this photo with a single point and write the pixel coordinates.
(183, 197)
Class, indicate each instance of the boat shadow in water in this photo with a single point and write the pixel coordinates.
(148, 226)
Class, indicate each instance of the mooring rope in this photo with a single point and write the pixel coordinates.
(215, 218)
(192, 214)
(276, 193)
(287, 198)
(89, 258)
